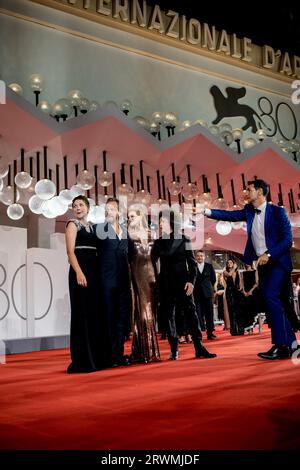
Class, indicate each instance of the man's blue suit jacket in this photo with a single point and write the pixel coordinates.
(278, 232)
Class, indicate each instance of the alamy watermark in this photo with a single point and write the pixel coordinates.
(2, 92)
(2, 352)
(295, 97)
(296, 353)
(187, 220)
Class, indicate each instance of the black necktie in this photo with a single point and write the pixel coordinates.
(257, 211)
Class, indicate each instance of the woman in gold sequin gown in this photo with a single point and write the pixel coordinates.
(144, 342)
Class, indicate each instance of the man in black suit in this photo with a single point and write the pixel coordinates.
(204, 293)
(113, 247)
(176, 280)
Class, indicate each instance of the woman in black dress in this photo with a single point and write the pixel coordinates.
(87, 348)
(233, 296)
(250, 304)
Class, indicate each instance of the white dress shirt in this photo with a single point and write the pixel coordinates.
(258, 231)
(200, 267)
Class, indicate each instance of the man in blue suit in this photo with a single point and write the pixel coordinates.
(113, 250)
(269, 242)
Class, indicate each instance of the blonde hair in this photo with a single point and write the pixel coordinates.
(140, 213)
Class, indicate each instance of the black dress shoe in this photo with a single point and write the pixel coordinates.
(125, 361)
(202, 352)
(268, 352)
(212, 336)
(174, 356)
(122, 361)
(276, 352)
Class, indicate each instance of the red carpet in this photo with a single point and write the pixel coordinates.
(236, 401)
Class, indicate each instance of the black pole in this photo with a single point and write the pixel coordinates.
(179, 195)
(173, 172)
(158, 184)
(65, 172)
(31, 166)
(76, 170)
(38, 166)
(22, 159)
(131, 175)
(122, 173)
(220, 194)
(9, 176)
(293, 200)
(14, 184)
(280, 199)
(50, 174)
(96, 184)
(57, 179)
(104, 160)
(188, 167)
(114, 184)
(243, 181)
(142, 174)
(204, 183)
(290, 202)
(148, 184)
(45, 163)
(37, 94)
(163, 187)
(233, 192)
(137, 185)
(207, 187)
(84, 160)
(15, 169)
(169, 198)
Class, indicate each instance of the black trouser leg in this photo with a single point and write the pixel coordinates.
(200, 315)
(208, 309)
(192, 320)
(168, 305)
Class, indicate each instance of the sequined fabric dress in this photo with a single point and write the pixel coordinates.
(144, 343)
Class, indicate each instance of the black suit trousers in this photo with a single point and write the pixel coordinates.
(175, 297)
(205, 312)
(116, 302)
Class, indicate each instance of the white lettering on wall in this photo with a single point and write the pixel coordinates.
(224, 44)
(247, 49)
(209, 37)
(121, 9)
(102, 9)
(139, 15)
(156, 21)
(173, 24)
(235, 53)
(285, 66)
(194, 31)
(296, 94)
(296, 66)
(268, 57)
(191, 31)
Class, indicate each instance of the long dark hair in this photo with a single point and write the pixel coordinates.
(173, 218)
(227, 267)
(82, 198)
